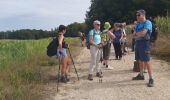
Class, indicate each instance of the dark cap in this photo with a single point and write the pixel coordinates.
(61, 28)
(141, 11)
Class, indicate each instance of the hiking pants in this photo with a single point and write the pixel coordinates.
(95, 59)
(118, 50)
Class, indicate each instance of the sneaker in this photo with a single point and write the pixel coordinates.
(138, 77)
(109, 67)
(99, 74)
(67, 78)
(90, 77)
(151, 83)
(63, 79)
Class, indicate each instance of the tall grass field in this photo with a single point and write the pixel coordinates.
(23, 65)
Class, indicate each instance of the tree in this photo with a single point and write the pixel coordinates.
(124, 10)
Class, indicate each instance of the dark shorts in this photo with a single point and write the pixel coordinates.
(106, 51)
(142, 50)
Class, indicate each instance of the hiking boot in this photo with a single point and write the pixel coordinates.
(138, 77)
(151, 83)
(109, 67)
(99, 74)
(67, 78)
(63, 79)
(90, 77)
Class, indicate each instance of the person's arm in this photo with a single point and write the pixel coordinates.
(111, 35)
(60, 40)
(121, 35)
(142, 33)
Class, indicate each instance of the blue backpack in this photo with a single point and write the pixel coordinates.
(88, 39)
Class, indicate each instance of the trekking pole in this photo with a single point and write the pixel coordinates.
(59, 61)
(73, 63)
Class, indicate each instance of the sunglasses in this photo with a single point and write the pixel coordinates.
(98, 24)
(138, 15)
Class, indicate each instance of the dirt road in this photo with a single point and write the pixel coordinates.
(117, 83)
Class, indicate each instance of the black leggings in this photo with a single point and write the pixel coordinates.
(118, 50)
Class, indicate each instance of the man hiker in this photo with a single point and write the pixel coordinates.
(95, 50)
(62, 54)
(142, 45)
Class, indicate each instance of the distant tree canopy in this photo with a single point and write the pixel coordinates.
(24, 34)
(124, 10)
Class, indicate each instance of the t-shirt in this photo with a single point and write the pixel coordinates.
(118, 35)
(144, 25)
(96, 36)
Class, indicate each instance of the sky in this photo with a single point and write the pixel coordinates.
(41, 14)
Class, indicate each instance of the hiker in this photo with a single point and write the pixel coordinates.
(142, 46)
(82, 37)
(62, 54)
(124, 39)
(106, 40)
(95, 50)
(117, 41)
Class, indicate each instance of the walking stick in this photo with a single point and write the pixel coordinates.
(73, 63)
(59, 61)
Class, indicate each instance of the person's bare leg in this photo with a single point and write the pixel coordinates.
(64, 65)
(148, 65)
(141, 65)
(68, 65)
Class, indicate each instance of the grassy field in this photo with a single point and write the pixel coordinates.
(24, 66)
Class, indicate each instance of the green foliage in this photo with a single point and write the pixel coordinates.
(73, 29)
(124, 10)
(163, 24)
(25, 34)
(23, 66)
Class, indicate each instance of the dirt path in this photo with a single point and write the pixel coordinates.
(117, 83)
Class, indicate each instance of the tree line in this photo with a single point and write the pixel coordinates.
(25, 34)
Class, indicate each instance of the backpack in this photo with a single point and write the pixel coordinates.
(88, 40)
(136, 67)
(52, 47)
(154, 33)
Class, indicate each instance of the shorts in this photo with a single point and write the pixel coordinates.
(142, 50)
(106, 51)
(62, 54)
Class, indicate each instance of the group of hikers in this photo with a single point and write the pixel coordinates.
(99, 45)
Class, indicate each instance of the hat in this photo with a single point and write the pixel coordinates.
(141, 11)
(96, 22)
(107, 25)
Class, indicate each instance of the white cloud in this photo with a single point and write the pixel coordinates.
(46, 14)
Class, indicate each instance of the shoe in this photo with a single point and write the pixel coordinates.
(63, 79)
(67, 78)
(151, 83)
(99, 74)
(109, 67)
(120, 58)
(90, 77)
(138, 77)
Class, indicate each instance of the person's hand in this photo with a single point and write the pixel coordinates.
(67, 45)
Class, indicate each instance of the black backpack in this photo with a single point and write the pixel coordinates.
(154, 33)
(52, 47)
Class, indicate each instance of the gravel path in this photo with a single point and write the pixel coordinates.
(117, 83)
